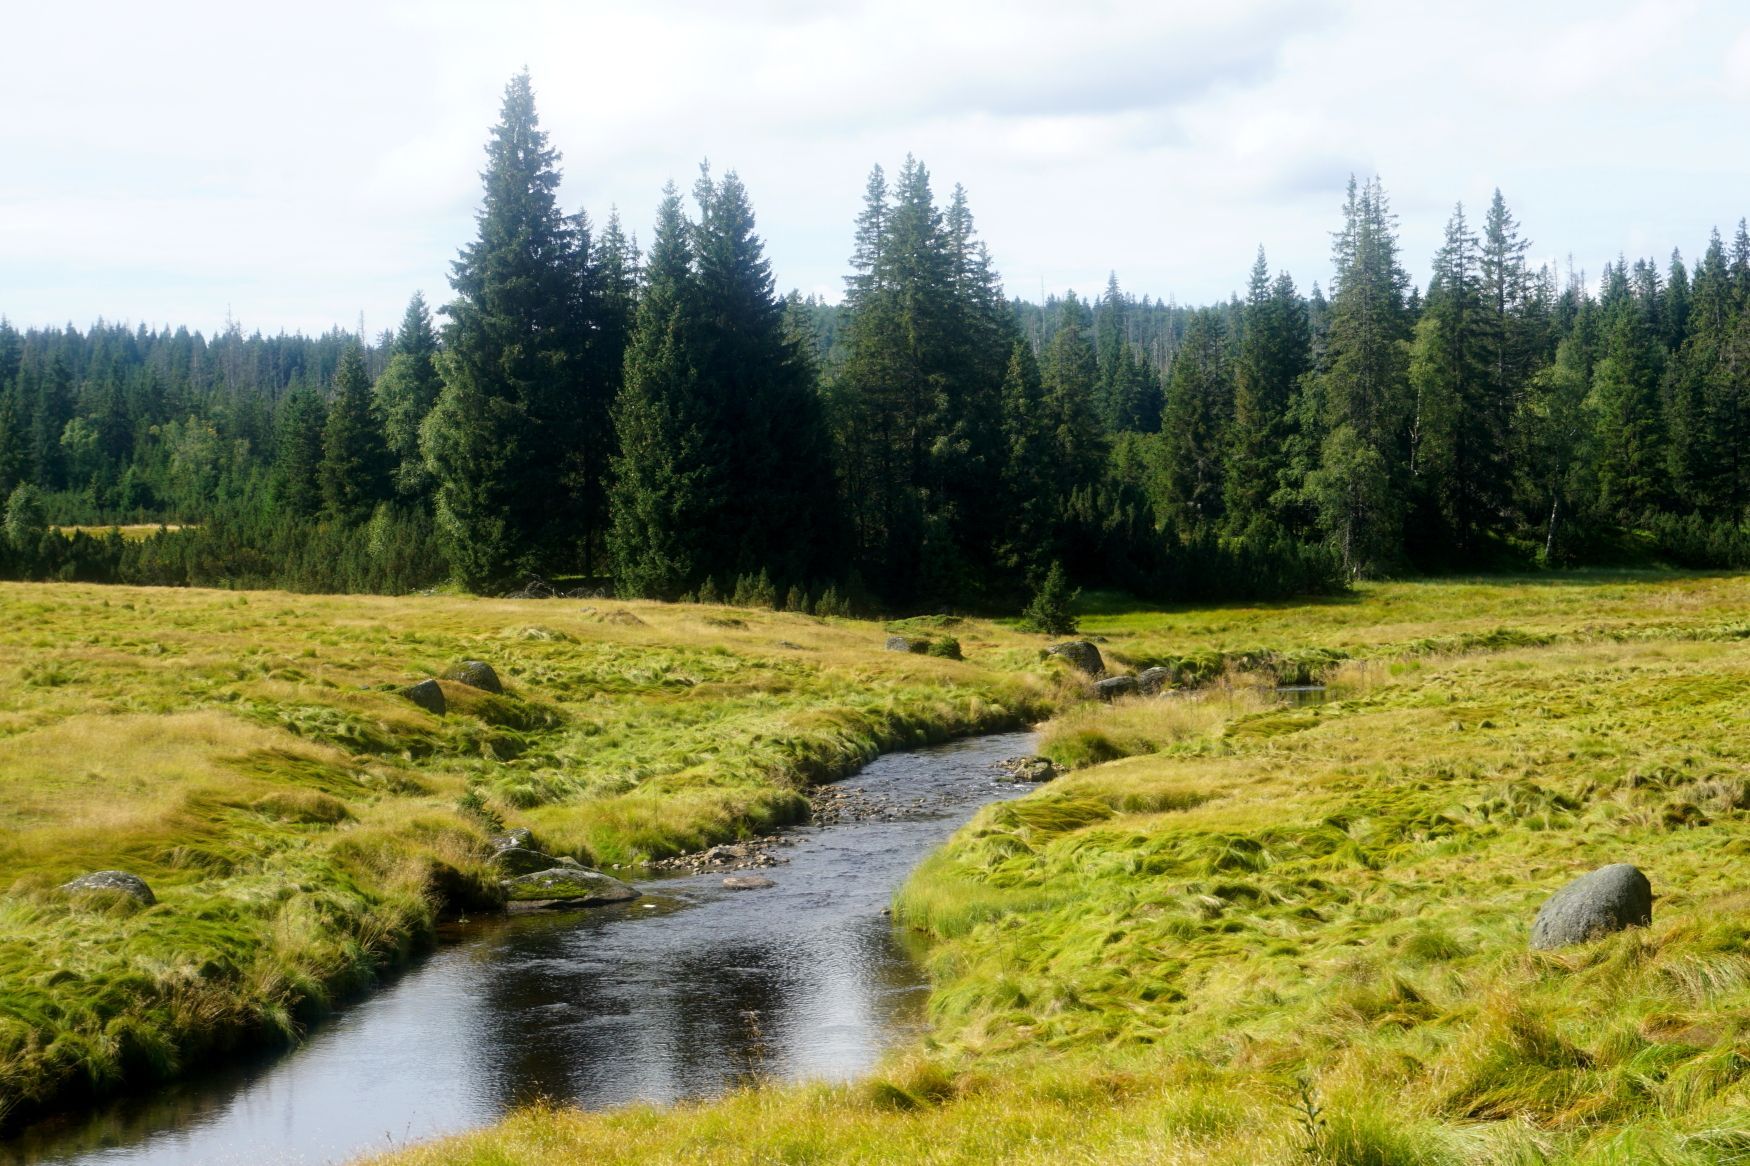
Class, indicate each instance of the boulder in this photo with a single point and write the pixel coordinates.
(905, 644)
(521, 860)
(516, 836)
(748, 882)
(1153, 680)
(1114, 687)
(1081, 653)
(476, 674)
(1609, 899)
(567, 886)
(112, 882)
(428, 695)
(1026, 769)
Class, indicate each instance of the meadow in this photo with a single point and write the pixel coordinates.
(1247, 932)
(303, 825)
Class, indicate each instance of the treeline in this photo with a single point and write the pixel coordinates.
(667, 424)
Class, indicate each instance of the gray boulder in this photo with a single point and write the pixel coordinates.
(1609, 899)
(428, 696)
(1081, 653)
(475, 674)
(1026, 769)
(521, 860)
(904, 644)
(518, 836)
(748, 882)
(1114, 687)
(1153, 680)
(112, 882)
(567, 886)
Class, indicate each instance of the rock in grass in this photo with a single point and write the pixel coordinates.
(476, 674)
(1114, 687)
(1081, 653)
(112, 882)
(1609, 899)
(428, 696)
(1153, 680)
(748, 882)
(567, 886)
(905, 644)
(522, 860)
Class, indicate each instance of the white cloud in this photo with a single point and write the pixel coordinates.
(296, 165)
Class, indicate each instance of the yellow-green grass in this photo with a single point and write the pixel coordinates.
(1300, 935)
(302, 823)
(129, 531)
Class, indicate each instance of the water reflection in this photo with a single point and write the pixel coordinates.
(677, 995)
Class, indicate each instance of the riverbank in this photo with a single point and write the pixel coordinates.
(302, 824)
(1277, 935)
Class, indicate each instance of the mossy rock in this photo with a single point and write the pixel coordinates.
(567, 886)
(475, 674)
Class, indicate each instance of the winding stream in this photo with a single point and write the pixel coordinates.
(676, 995)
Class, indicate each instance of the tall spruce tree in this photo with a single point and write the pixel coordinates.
(508, 441)
(1272, 355)
(1194, 428)
(1357, 488)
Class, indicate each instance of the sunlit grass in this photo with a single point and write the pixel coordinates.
(1276, 935)
(301, 823)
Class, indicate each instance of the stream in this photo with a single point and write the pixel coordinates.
(677, 995)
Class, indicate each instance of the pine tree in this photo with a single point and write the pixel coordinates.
(1272, 355)
(1194, 429)
(666, 479)
(297, 487)
(517, 396)
(1365, 386)
(405, 394)
(1069, 376)
(1632, 453)
(354, 472)
(1458, 428)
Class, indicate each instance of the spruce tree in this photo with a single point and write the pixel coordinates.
(518, 395)
(297, 486)
(1194, 429)
(1272, 355)
(405, 394)
(354, 472)
(667, 473)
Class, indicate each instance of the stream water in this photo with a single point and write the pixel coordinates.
(679, 994)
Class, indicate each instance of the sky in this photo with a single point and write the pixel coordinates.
(296, 167)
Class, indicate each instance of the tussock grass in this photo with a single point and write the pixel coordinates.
(302, 824)
(1299, 935)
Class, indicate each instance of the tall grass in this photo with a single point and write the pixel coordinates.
(1283, 935)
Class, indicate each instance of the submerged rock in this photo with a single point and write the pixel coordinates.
(112, 882)
(567, 886)
(748, 882)
(1114, 687)
(428, 695)
(1081, 653)
(1609, 899)
(1027, 769)
(476, 674)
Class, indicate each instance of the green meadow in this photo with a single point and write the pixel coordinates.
(303, 825)
(1242, 931)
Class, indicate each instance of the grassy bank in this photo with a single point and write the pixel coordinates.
(1280, 935)
(301, 823)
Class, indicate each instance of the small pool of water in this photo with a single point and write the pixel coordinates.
(1298, 695)
(680, 994)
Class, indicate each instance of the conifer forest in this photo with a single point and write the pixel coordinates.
(654, 417)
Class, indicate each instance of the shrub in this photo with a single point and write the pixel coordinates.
(1050, 611)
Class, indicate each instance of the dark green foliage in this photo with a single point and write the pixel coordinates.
(674, 422)
(354, 473)
(1052, 609)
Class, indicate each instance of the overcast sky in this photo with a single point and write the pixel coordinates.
(296, 165)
